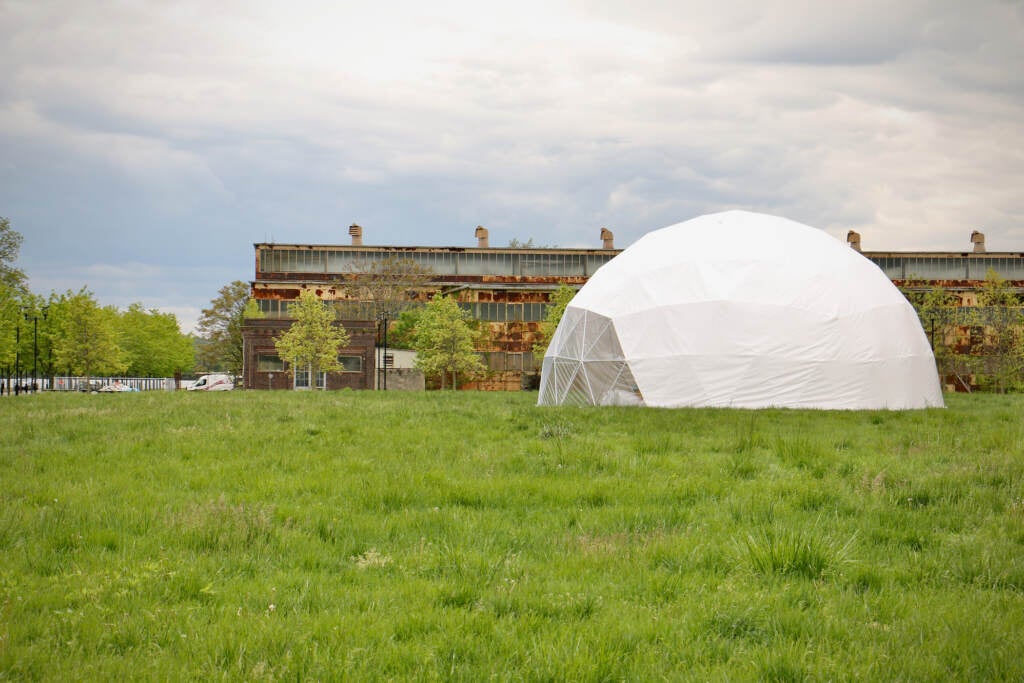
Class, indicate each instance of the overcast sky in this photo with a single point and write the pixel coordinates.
(145, 146)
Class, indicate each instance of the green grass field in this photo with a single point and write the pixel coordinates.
(472, 536)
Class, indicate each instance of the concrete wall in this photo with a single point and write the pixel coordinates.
(405, 379)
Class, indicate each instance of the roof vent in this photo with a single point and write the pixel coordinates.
(853, 239)
(607, 239)
(481, 237)
(978, 238)
(357, 235)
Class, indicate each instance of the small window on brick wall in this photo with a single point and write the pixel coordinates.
(269, 363)
(351, 363)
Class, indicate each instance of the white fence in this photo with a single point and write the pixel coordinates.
(67, 383)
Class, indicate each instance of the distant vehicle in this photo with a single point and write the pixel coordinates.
(90, 386)
(116, 386)
(213, 383)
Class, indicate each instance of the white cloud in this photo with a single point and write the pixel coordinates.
(217, 126)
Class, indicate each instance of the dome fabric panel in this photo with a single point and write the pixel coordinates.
(745, 310)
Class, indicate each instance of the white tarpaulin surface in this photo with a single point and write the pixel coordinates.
(744, 310)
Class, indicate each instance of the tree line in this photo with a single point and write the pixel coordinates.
(71, 333)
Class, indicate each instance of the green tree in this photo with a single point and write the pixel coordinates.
(444, 341)
(996, 291)
(402, 334)
(559, 299)
(220, 328)
(13, 293)
(49, 333)
(29, 313)
(10, 247)
(11, 321)
(87, 341)
(314, 338)
(153, 343)
(999, 340)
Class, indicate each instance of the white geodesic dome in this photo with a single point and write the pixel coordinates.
(744, 310)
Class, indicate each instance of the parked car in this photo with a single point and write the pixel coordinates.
(213, 383)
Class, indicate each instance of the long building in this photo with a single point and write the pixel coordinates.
(507, 289)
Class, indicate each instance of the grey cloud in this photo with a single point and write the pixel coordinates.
(180, 134)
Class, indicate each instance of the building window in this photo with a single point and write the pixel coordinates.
(302, 379)
(269, 363)
(351, 363)
(534, 312)
(273, 308)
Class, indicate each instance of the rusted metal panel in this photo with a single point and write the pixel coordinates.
(942, 254)
(399, 249)
(437, 281)
(916, 284)
(276, 294)
(503, 296)
(522, 297)
(512, 337)
(525, 279)
(498, 381)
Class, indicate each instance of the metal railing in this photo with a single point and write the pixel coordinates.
(72, 383)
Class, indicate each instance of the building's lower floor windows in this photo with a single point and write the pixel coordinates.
(302, 379)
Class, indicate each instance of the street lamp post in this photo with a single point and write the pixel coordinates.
(35, 351)
(33, 315)
(382, 370)
(17, 359)
(49, 364)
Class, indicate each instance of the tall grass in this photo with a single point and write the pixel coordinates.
(804, 552)
(259, 536)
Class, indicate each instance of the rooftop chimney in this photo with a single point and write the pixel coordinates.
(978, 238)
(481, 237)
(853, 239)
(607, 238)
(357, 235)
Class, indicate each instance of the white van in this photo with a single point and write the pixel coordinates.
(213, 383)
